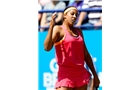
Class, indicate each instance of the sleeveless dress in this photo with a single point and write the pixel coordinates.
(70, 59)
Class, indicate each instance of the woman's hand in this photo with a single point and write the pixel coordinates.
(96, 82)
(53, 18)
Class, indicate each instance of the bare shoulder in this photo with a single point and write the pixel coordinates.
(57, 28)
(57, 33)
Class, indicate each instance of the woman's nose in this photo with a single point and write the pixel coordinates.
(74, 15)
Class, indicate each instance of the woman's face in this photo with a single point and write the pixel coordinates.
(71, 16)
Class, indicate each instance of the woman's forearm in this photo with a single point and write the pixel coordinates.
(48, 44)
(90, 64)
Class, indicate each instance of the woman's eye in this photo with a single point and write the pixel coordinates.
(72, 13)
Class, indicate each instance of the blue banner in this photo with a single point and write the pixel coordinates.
(47, 67)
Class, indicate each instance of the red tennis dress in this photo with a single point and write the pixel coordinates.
(70, 59)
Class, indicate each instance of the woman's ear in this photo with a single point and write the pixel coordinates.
(64, 16)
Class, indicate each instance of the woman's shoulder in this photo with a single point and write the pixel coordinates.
(57, 28)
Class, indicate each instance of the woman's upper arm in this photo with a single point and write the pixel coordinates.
(85, 48)
(55, 34)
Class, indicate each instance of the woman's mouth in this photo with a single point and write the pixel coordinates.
(73, 20)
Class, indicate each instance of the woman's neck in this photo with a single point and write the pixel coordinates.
(67, 26)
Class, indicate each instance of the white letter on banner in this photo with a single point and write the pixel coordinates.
(53, 65)
(48, 81)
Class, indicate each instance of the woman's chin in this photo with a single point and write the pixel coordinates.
(72, 23)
